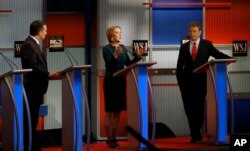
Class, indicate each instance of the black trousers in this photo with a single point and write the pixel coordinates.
(193, 92)
(34, 100)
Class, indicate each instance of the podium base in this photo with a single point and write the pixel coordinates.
(133, 148)
(209, 142)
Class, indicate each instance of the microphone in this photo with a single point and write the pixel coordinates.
(8, 61)
(69, 58)
(72, 57)
(142, 59)
(58, 44)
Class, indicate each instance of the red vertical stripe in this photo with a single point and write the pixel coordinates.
(223, 25)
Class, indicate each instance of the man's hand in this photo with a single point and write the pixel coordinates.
(54, 75)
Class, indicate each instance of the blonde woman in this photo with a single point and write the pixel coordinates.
(116, 58)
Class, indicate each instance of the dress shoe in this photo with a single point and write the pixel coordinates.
(196, 139)
(112, 143)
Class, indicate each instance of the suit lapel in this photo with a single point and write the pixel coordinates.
(188, 50)
(200, 48)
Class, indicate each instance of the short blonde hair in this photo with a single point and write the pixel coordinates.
(110, 32)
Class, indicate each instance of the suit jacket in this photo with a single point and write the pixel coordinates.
(186, 65)
(32, 57)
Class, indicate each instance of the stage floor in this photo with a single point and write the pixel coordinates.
(164, 144)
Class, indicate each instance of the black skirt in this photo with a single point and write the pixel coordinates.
(114, 93)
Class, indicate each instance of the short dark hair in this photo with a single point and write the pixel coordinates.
(35, 27)
(195, 24)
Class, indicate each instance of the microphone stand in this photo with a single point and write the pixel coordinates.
(6, 60)
(68, 52)
(69, 58)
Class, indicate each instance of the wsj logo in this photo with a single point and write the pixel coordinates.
(17, 46)
(240, 48)
(240, 142)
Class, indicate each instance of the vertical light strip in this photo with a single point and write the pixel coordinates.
(143, 91)
(221, 87)
(18, 98)
(78, 96)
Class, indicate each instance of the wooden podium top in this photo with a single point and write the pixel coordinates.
(206, 65)
(14, 71)
(127, 69)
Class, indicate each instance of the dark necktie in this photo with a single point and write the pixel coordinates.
(41, 50)
(194, 52)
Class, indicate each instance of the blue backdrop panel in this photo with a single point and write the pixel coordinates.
(170, 23)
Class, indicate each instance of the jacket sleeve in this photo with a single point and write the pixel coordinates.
(109, 59)
(215, 52)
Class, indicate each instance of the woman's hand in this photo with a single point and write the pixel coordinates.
(140, 51)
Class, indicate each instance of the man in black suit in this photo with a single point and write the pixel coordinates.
(35, 82)
(193, 86)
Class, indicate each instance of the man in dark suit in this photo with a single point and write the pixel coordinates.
(35, 82)
(193, 86)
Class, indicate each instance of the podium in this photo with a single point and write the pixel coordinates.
(137, 100)
(12, 94)
(73, 95)
(216, 99)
